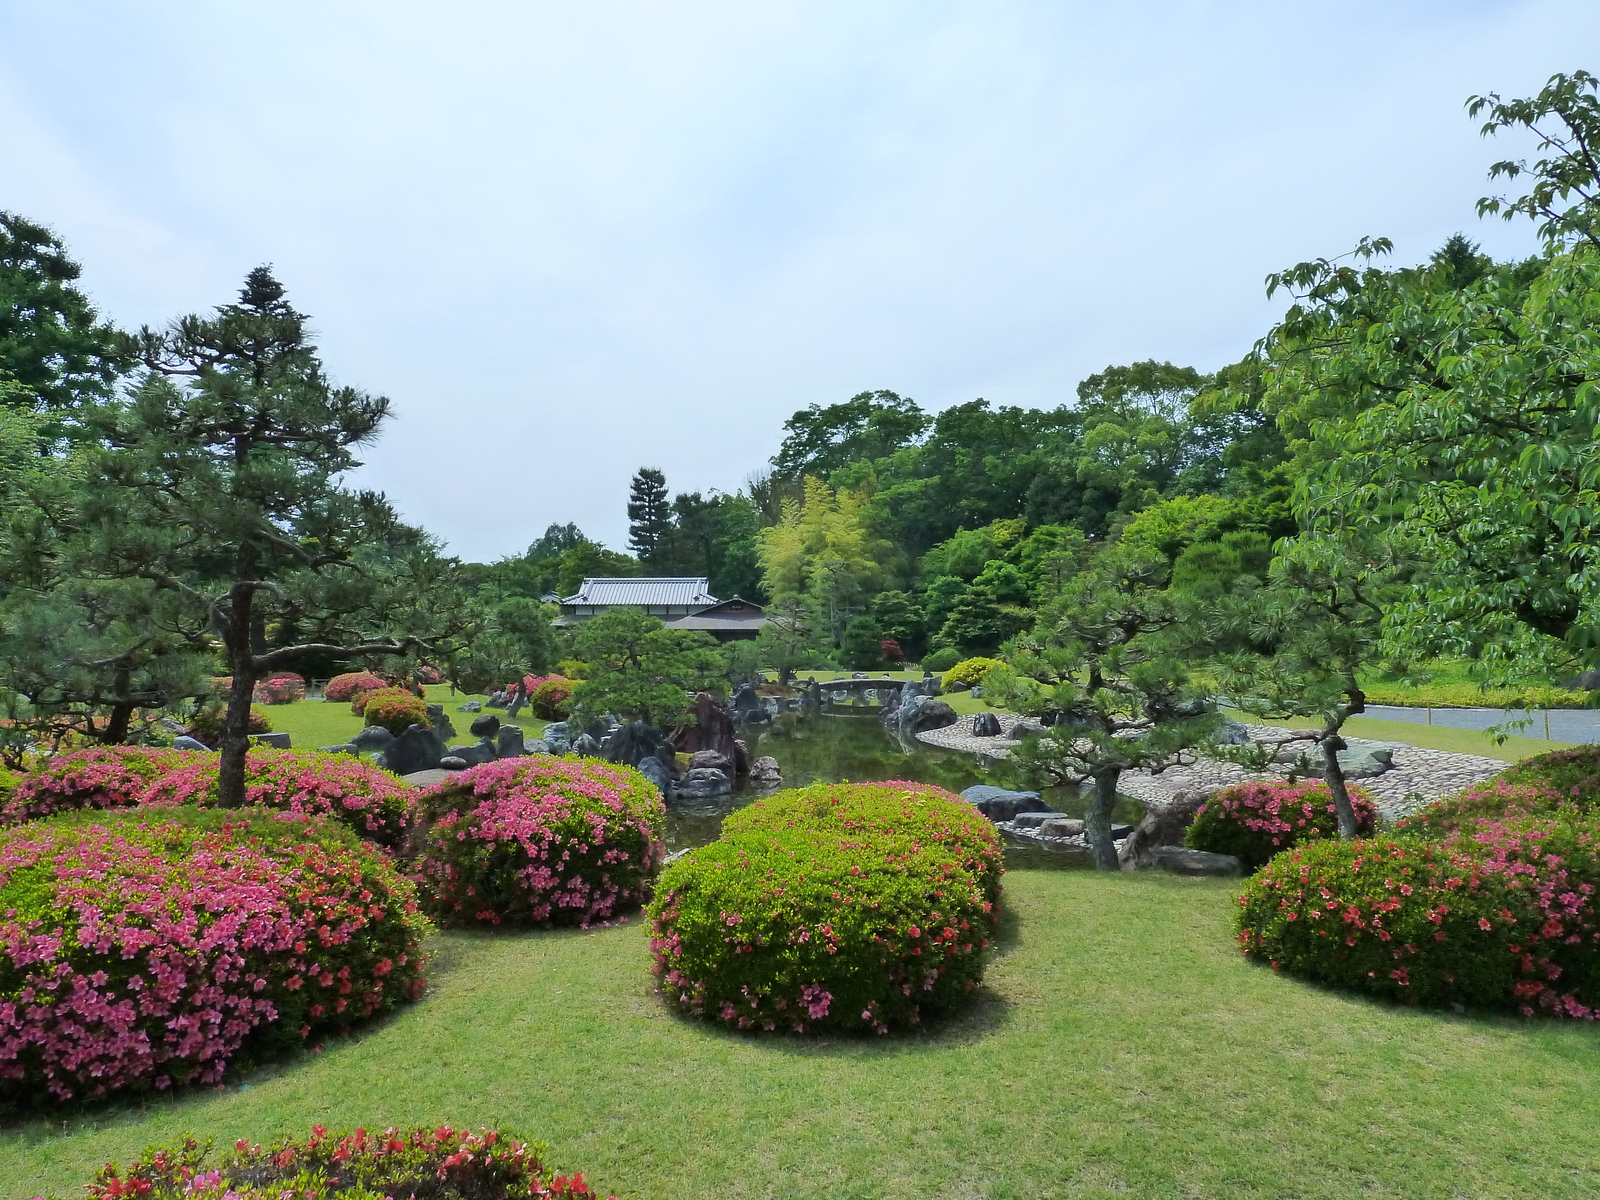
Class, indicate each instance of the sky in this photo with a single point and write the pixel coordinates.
(570, 240)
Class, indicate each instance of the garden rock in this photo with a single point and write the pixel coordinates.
(278, 741)
(631, 743)
(1163, 826)
(711, 729)
(703, 783)
(417, 749)
(508, 742)
(171, 724)
(1032, 820)
(712, 759)
(766, 772)
(452, 762)
(741, 757)
(1180, 860)
(1001, 804)
(484, 726)
(496, 700)
(1588, 681)
(184, 742)
(656, 772)
(924, 713)
(470, 706)
(1063, 827)
(555, 736)
(1231, 733)
(441, 723)
(474, 755)
(745, 702)
(587, 746)
(986, 725)
(426, 779)
(537, 746)
(347, 748)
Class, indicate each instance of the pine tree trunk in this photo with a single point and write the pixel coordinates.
(1097, 821)
(1333, 776)
(116, 730)
(236, 725)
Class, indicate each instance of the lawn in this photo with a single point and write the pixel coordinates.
(313, 723)
(1121, 1047)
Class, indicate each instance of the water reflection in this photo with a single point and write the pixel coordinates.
(839, 748)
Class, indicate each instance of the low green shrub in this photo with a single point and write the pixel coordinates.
(439, 1163)
(395, 710)
(1470, 695)
(206, 724)
(939, 661)
(1574, 774)
(537, 841)
(1491, 799)
(95, 777)
(825, 911)
(1255, 820)
(551, 700)
(969, 672)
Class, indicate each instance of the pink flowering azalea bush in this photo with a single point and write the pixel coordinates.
(1255, 820)
(344, 687)
(149, 950)
(1490, 800)
(440, 1163)
(537, 841)
(95, 777)
(846, 906)
(1499, 914)
(284, 687)
(394, 709)
(372, 802)
(551, 697)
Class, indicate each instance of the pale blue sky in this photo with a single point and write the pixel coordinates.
(572, 239)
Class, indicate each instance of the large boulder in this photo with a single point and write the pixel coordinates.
(764, 772)
(703, 783)
(986, 725)
(508, 742)
(1587, 681)
(441, 723)
(1231, 733)
(484, 726)
(184, 742)
(711, 728)
(1001, 804)
(631, 743)
(923, 713)
(346, 748)
(1063, 827)
(1180, 860)
(557, 737)
(474, 755)
(656, 772)
(1161, 825)
(278, 741)
(372, 739)
(711, 758)
(419, 748)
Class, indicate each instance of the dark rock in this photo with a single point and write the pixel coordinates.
(745, 700)
(1160, 826)
(858, 675)
(470, 706)
(484, 726)
(496, 700)
(741, 757)
(703, 783)
(508, 742)
(1180, 860)
(586, 746)
(185, 742)
(656, 772)
(441, 723)
(1118, 832)
(474, 755)
(453, 762)
(986, 725)
(711, 729)
(710, 758)
(1001, 804)
(537, 746)
(1032, 820)
(555, 736)
(417, 749)
(1587, 681)
(278, 741)
(632, 743)
(1061, 827)
(1231, 733)
(925, 713)
(373, 738)
(765, 771)
(347, 748)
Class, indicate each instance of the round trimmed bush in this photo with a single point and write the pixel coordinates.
(939, 661)
(96, 777)
(552, 699)
(372, 802)
(344, 687)
(537, 841)
(395, 710)
(969, 672)
(148, 950)
(1255, 820)
(854, 907)
(206, 724)
(283, 688)
(1501, 915)
(359, 701)
(441, 1163)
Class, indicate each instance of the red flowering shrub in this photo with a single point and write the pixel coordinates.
(153, 949)
(869, 916)
(344, 687)
(1255, 820)
(441, 1163)
(206, 725)
(427, 674)
(283, 688)
(552, 699)
(1501, 915)
(364, 697)
(537, 841)
(889, 650)
(1573, 774)
(372, 802)
(1492, 799)
(98, 777)
(395, 710)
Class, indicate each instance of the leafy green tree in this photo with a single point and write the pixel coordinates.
(899, 616)
(862, 646)
(640, 669)
(591, 560)
(649, 519)
(1121, 689)
(870, 425)
(792, 638)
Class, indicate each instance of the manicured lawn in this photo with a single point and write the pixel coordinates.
(1121, 1047)
(313, 723)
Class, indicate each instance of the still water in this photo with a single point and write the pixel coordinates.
(857, 749)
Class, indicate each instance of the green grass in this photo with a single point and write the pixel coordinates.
(1450, 684)
(1121, 1047)
(313, 723)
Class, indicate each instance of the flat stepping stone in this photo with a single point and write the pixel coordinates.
(426, 779)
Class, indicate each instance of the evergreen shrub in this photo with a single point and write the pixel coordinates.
(846, 906)
(439, 1163)
(1255, 820)
(365, 696)
(344, 687)
(1574, 774)
(969, 672)
(551, 700)
(206, 724)
(394, 709)
(537, 841)
(939, 661)
(151, 949)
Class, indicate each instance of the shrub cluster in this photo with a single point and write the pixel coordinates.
(440, 1163)
(427, 674)
(206, 724)
(372, 802)
(153, 949)
(552, 699)
(941, 660)
(394, 709)
(344, 687)
(365, 696)
(1574, 774)
(969, 672)
(537, 841)
(1255, 820)
(96, 777)
(283, 688)
(848, 906)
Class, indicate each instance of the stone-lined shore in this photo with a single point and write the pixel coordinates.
(1418, 776)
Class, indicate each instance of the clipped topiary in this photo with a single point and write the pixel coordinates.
(372, 802)
(870, 914)
(551, 700)
(283, 688)
(439, 1163)
(364, 697)
(967, 673)
(147, 949)
(937, 662)
(206, 724)
(1255, 820)
(395, 710)
(96, 777)
(537, 841)
(344, 687)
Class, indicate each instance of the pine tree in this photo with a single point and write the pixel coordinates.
(649, 518)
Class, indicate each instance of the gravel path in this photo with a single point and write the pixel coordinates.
(1418, 776)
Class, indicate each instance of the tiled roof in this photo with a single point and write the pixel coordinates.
(655, 592)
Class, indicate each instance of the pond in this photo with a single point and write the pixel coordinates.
(838, 748)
